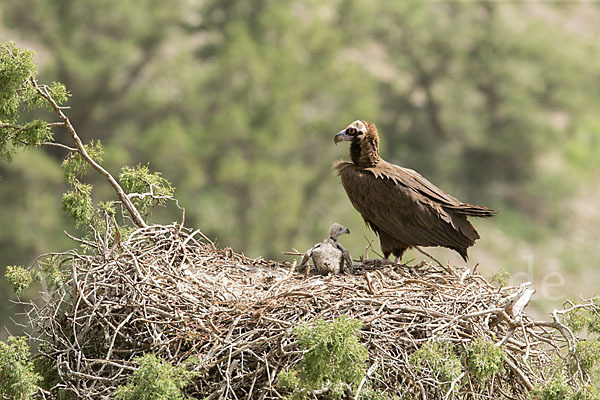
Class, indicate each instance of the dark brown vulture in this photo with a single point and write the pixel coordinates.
(329, 256)
(403, 208)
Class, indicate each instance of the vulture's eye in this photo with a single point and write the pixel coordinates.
(351, 131)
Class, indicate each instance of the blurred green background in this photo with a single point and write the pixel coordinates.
(236, 102)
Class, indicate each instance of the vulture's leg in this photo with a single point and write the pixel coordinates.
(398, 252)
(389, 246)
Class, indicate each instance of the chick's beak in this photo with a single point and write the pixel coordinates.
(341, 137)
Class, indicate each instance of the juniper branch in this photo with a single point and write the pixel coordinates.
(135, 215)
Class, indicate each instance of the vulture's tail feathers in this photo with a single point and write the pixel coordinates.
(462, 251)
(471, 210)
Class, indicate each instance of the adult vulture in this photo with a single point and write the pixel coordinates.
(403, 208)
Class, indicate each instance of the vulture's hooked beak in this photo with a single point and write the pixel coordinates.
(341, 137)
(346, 231)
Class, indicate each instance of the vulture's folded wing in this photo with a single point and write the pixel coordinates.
(308, 254)
(413, 180)
(402, 211)
(346, 259)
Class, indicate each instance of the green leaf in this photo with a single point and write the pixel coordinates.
(19, 277)
(485, 359)
(155, 379)
(438, 360)
(78, 203)
(16, 68)
(334, 356)
(18, 380)
(141, 181)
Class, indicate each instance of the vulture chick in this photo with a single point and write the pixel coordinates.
(399, 205)
(329, 256)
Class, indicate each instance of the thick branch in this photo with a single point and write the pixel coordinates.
(135, 215)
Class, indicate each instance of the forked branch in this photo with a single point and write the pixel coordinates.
(135, 215)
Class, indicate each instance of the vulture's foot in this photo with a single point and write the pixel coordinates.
(351, 270)
(306, 271)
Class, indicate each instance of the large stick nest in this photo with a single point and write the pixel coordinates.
(170, 291)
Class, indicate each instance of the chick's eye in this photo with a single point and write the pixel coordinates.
(351, 131)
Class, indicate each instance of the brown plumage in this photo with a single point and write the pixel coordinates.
(329, 256)
(403, 208)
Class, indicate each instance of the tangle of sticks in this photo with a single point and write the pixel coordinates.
(170, 291)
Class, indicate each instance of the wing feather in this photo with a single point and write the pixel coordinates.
(346, 259)
(411, 213)
(308, 254)
(415, 181)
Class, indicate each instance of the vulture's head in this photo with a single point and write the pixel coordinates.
(364, 147)
(336, 230)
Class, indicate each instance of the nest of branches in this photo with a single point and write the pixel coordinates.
(170, 291)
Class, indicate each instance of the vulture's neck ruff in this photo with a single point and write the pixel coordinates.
(364, 150)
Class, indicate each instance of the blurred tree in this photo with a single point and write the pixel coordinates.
(236, 103)
(247, 120)
(474, 88)
(112, 54)
(274, 88)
